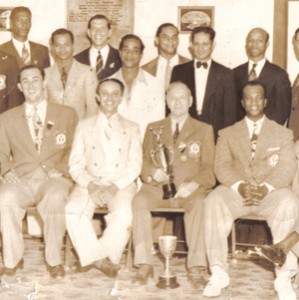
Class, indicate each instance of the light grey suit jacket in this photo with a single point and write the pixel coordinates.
(88, 157)
(80, 88)
(274, 161)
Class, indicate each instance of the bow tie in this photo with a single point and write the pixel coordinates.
(201, 64)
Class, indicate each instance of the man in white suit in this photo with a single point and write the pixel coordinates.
(69, 82)
(255, 164)
(105, 162)
(35, 142)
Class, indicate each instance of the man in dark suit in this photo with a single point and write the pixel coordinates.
(101, 56)
(166, 41)
(192, 144)
(36, 138)
(294, 117)
(211, 84)
(255, 163)
(275, 79)
(26, 52)
(8, 82)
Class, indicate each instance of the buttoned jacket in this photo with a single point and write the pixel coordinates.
(80, 89)
(277, 91)
(88, 156)
(17, 149)
(192, 154)
(274, 160)
(39, 54)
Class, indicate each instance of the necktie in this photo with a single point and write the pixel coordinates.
(108, 130)
(38, 129)
(99, 65)
(176, 133)
(252, 73)
(167, 74)
(25, 55)
(253, 140)
(63, 77)
(200, 64)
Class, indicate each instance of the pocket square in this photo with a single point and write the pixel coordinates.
(273, 149)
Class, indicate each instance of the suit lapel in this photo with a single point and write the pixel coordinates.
(211, 83)
(11, 49)
(263, 138)
(241, 137)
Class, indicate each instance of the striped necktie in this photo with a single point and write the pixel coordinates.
(38, 129)
(252, 73)
(176, 133)
(99, 65)
(25, 55)
(63, 77)
(253, 140)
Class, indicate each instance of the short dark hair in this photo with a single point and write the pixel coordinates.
(28, 67)
(164, 25)
(204, 29)
(18, 9)
(253, 83)
(296, 32)
(131, 36)
(101, 17)
(120, 83)
(62, 31)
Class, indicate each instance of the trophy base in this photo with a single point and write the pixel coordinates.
(169, 191)
(167, 283)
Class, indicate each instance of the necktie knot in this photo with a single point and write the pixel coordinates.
(200, 64)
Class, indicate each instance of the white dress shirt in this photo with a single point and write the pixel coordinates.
(93, 54)
(201, 78)
(19, 46)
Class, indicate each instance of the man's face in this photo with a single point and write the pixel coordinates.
(256, 44)
(202, 46)
(178, 100)
(168, 41)
(63, 46)
(20, 25)
(110, 96)
(32, 85)
(130, 53)
(254, 102)
(99, 33)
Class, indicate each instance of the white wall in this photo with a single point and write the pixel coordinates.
(233, 20)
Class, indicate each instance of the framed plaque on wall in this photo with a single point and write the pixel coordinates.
(119, 12)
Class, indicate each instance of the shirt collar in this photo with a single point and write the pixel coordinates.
(258, 123)
(41, 106)
(173, 61)
(140, 76)
(208, 62)
(104, 50)
(19, 45)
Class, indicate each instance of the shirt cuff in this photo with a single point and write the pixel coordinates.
(235, 186)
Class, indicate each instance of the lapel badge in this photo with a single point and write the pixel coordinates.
(112, 65)
(183, 157)
(2, 82)
(194, 149)
(50, 124)
(273, 160)
(182, 147)
(60, 139)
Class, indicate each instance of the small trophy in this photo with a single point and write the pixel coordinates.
(167, 245)
(162, 157)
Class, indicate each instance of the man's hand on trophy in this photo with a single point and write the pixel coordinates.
(186, 189)
(160, 176)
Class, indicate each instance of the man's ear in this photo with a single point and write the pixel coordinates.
(242, 102)
(19, 87)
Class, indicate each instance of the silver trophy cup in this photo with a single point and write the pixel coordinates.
(162, 157)
(167, 245)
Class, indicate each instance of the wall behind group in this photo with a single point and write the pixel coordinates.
(232, 21)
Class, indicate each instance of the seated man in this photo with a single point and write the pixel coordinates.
(255, 164)
(105, 162)
(36, 138)
(192, 143)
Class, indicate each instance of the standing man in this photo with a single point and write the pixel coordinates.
(211, 84)
(192, 143)
(26, 52)
(9, 93)
(105, 162)
(36, 138)
(294, 117)
(143, 100)
(255, 163)
(69, 82)
(276, 80)
(166, 41)
(101, 56)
